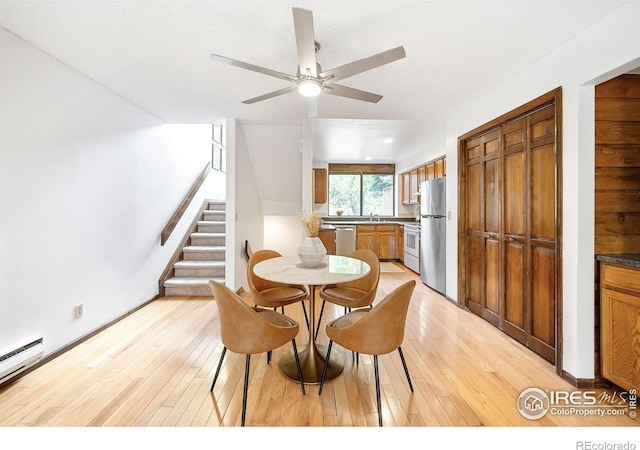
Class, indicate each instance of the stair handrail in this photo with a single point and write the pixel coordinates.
(164, 236)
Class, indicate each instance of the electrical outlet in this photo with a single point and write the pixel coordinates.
(449, 215)
(79, 310)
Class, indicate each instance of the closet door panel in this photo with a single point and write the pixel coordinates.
(543, 193)
(542, 334)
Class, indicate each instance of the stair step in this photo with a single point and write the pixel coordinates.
(212, 226)
(204, 253)
(217, 206)
(208, 239)
(191, 286)
(206, 269)
(212, 216)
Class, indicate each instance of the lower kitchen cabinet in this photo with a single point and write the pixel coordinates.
(620, 324)
(380, 239)
(328, 238)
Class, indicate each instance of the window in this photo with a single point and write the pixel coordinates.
(218, 148)
(361, 189)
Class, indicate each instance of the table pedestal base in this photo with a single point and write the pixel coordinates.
(311, 362)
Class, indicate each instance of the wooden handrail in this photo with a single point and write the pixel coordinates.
(184, 205)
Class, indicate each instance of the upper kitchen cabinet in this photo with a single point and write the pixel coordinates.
(320, 187)
(411, 179)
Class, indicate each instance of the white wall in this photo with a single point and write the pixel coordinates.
(244, 213)
(606, 50)
(87, 183)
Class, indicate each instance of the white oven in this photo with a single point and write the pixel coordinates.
(412, 246)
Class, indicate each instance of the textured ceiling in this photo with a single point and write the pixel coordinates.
(155, 53)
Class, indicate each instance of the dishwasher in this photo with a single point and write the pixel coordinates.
(345, 239)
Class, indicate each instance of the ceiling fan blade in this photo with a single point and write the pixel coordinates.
(312, 106)
(356, 94)
(244, 65)
(305, 41)
(270, 95)
(362, 65)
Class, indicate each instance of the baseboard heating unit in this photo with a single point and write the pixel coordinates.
(20, 357)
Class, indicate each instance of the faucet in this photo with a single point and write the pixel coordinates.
(370, 217)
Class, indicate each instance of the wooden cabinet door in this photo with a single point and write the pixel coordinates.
(439, 168)
(492, 220)
(620, 324)
(406, 188)
(620, 337)
(474, 235)
(386, 241)
(366, 237)
(422, 175)
(328, 238)
(514, 206)
(400, 243)
(430, 171)
(542, 213)
(413, 184)
(320, 187)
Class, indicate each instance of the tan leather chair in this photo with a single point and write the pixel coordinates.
(270, 294)
(374, 331)
(354, 294)
(248, 330)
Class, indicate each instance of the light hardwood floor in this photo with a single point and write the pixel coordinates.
(155, 367)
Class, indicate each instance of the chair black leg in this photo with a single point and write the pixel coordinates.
(295, 353)
(377, 374)
(324, 369)
(319, 320)
(406, 371)
(306, 317)
(246, 388)
(215, 378)
(269, 357)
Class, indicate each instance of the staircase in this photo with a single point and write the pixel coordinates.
(203, 256)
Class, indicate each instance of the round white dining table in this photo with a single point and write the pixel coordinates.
(333, 269)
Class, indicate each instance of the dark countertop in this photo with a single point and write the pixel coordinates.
(631, 260)
(366, 221)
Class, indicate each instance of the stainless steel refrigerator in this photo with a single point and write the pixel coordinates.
(433, 255)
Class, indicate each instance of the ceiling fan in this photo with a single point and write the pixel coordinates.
(310, 80)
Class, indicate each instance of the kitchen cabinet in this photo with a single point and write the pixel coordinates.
(439, 168)
(387, 241)
(405, 188)
(422, 176)
(411, 179)
(400, 243)
(509, 251)
(328, 238)
(413, 185)
(430, 170)
(380, 239)
(320, 186)
(620, 324)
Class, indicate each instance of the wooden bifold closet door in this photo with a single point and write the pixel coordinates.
(509, 244)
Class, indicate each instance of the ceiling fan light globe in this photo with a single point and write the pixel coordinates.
(309, 88)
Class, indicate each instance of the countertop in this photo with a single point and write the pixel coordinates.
(630, 260)
(332, 222)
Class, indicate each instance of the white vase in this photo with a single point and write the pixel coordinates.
(311, 251)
